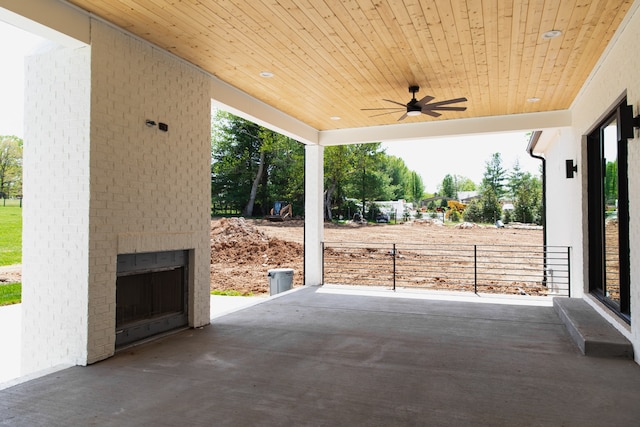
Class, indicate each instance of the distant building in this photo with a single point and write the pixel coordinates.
(467, 196)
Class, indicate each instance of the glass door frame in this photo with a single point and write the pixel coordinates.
(596, 169)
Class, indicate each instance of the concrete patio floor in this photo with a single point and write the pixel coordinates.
(325, 357)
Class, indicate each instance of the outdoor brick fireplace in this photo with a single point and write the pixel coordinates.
(151, 294)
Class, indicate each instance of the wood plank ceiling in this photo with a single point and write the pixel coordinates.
(335, 57)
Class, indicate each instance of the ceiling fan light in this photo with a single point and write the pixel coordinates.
(413, 113)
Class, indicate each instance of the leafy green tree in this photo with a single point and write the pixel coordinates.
(284, 178)
(235, 156)
(399, 175)
(368, 180)
(252, 165)
(337, 161)
(10, 166)
(405, 184)
(463, 183)
(494, 176)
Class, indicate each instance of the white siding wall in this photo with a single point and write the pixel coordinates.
(619, 72)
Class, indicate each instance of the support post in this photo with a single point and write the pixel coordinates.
(313, 214)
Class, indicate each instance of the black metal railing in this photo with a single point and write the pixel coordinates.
(524, 270)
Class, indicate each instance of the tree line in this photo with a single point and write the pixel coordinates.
(10, 166)
(252, 167)
(522, 189)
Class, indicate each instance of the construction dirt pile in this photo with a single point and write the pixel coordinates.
(241, 256)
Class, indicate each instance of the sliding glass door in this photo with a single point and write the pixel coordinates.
(609, 214)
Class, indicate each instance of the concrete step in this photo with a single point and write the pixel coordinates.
(590, 331)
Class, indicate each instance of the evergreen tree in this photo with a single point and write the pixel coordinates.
(528, 200)
(494, 176)
(515, 179)
(415, 188)
(473, 213)
(448, 187)
(491, 208)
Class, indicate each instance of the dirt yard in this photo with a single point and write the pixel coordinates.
(242, 251)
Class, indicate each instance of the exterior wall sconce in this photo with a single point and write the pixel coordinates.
(570, 168)
(161, 126)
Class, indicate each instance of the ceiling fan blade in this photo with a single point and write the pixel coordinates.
(376, 109)
(402, 117)
(448, 101)
(395, 102)
(382, 114)
(448, 108)
(425, 100)
(430, 113)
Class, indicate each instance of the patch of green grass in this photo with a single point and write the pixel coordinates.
(231, 293)
(11, 294)
(10, 234)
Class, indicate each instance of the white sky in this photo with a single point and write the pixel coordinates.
(432, 159)
(14, 45)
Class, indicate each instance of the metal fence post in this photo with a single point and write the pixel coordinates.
(475, 269)
(393, 255)
(322, 248)
(569, 271)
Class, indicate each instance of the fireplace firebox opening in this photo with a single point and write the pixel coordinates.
(151, 294)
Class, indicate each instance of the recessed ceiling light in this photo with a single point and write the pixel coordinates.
(551, 34)
(534, 99)
(267, 74)
(335, 117)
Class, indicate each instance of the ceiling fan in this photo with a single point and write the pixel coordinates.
(423, 106)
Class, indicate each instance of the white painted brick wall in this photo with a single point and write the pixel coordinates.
(150, 190)
(618, 72)
(56, 209)
(99, 182)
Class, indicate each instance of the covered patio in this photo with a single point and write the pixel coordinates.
(103, 183)
(328, 356)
